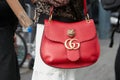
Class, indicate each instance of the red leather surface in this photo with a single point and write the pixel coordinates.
(56, 31)
(54, 53)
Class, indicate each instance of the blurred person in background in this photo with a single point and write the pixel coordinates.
(9, 69)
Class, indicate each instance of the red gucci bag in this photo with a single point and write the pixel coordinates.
(70, 45)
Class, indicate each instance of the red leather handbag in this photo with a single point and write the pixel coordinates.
(70, 45)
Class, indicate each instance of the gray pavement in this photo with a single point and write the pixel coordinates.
(103, 69)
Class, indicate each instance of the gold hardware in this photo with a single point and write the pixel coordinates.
(71, 33)
(51, 13)
(87, 18)
(50, 17)
(72, 44)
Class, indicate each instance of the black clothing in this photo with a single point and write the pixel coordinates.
(117, 65)
(6, 15)
(9, 69)
(63, 19)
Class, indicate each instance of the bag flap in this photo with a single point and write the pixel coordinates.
(57, 31)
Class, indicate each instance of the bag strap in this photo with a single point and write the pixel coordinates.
(85, 7)
(85, 10)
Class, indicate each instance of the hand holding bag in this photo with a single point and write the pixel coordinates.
(70, 45)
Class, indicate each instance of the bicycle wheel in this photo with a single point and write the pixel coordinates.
(21, 49)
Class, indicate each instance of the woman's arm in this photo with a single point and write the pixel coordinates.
(17, 8)
(4, 7)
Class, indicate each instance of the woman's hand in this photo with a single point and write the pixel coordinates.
(57, 3)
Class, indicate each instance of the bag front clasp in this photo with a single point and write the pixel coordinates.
(72, 44)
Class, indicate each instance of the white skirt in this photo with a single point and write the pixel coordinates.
(41, 71)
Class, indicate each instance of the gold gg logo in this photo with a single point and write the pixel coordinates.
(72, 44)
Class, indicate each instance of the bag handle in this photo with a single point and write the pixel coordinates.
(85, 10)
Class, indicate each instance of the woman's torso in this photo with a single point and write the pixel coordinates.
(73, 10)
